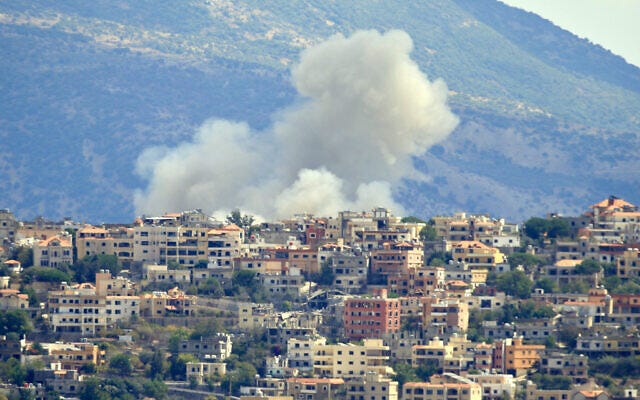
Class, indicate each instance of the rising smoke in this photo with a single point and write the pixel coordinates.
(365, 110)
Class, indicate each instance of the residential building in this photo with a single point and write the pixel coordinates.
(514, 357)
(371, 387)
(300, 351)
(445, 315)
(371, 317)
(441, 391)
(314, 388)
(73, 356)
(575, 366)
(495, 386)
(172, 302)
(217, 347)
(56, 251)
(200, 371)
(477, 254)
(351, 360)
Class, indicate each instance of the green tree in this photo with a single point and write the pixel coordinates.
(326, 275)
(547, 284)
(528, 261)
(412, 220)
(428, 233)
(92, 390)
(85, 270)
(243, 374)
(24, 254)
(45, 274)
(243, 221)
(405, 373)
(535, 227)
(13, 371)
(16, 322)
(157, 365)
(588, 267)
(120, 364)
(514, 283)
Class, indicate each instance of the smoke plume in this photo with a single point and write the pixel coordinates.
(365, 109)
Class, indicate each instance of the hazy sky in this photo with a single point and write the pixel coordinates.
(613, 24)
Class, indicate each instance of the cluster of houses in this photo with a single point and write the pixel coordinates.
(385, 303)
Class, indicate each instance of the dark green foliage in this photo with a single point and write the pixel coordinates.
(85, 270)
(575, 286)
(325, 277)
(552, 382)
(412, 220)
(16, 322)
(178, 365)
(243, 221)
(537, 228)
(617, 367)
(514, 283)
(132, 388)
(428, 233)
(120, 364)
(405, 373)
(242, 374)
(588, 267)
(45, 274)
(546, 284)
(23, 254)
(528, 261)
(13, 371)
(439, 258)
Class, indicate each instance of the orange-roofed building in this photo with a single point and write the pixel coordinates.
(441, 390)
(477, 254)
(55, 251)
(314, 388)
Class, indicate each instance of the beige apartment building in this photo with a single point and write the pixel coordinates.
(54, 252)
(351, 360)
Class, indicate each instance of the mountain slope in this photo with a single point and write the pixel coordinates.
(86, 86)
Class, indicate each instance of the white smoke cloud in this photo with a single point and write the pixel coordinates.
(365, 110)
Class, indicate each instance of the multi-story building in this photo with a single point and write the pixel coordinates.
(171, 302)
(418, 282)
(434, 353)
(90, 310)
(8, 227)
(200, 371)
(397, 258)
(351, 360)
(300, 351)
(54, 252)
(514, 357)
(372, 387)
(575, 366)
(371, 317)
(445, 315)
(314, 388)
(441, 390)
(162, 274)
(181, 238)
(224, 244)
(73, 356)
(628, 265)
(495, 386)
(477, 254)
(217, 347)
(12, 299)
(116, 241)
(252, 316)
(350, 271)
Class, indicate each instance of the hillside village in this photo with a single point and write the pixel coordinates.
(355, 306)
